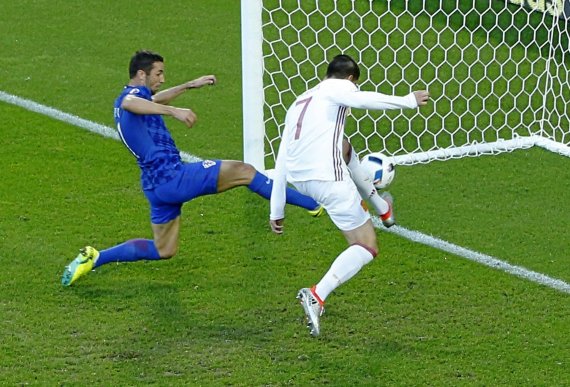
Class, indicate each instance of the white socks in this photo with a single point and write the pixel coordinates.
(345, 266)
(365, 186)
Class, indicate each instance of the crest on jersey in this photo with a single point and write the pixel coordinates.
(208, 163)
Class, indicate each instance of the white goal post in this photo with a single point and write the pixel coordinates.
(497, 70)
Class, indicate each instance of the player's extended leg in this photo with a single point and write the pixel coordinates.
(236, 173)
(383, 204)
(361, 250)
(344, 206)
(164, 245)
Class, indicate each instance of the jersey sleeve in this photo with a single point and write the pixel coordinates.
(141, 92)
(345, 93)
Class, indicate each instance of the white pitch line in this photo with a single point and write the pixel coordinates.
(91, 126)
(483, 259)
(414, 236)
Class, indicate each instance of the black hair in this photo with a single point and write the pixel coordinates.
(342, 66)
(143, 60)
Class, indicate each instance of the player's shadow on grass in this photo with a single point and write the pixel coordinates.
(147, 305)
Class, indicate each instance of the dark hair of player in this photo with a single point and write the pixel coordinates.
(143, 60)
(342, 66)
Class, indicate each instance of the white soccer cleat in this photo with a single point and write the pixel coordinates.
(388, 218)
(313, 310)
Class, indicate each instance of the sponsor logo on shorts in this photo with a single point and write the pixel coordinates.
(208, 163)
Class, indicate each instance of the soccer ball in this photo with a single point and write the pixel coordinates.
(379, 168)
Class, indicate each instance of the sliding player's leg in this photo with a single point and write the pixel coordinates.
(236, 173)
(383, 204)
(165, 223)
(164, 245)
(194, 179)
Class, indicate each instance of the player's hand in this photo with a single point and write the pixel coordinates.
(277, 226)
(199, 82)
(422, 97)
(186, 116)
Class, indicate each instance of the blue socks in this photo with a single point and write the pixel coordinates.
(144, 249)
(130, 251)
(262, 186)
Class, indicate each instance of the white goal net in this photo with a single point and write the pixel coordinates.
(497, 71)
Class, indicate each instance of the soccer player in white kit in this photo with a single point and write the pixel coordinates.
(311, 157)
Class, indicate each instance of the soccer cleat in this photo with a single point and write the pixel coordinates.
(388, 218)
(313, 310)
(320, 210)
(81, 265)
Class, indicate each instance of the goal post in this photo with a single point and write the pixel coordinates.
(497, 71)
(252, 83)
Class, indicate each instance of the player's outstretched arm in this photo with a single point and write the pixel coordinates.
(347, 94)
(166, 96)
(142, 106)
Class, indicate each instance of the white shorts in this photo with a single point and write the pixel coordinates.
(341, 200)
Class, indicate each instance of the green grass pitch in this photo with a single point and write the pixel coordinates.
(223, 311)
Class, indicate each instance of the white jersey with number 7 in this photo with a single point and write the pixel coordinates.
(311, 144)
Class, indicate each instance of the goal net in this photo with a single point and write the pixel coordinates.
(497, 72)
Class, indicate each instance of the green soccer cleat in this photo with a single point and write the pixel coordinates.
(81, 265)
(320, 210)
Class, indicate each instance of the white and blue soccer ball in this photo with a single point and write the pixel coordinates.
(379, 168)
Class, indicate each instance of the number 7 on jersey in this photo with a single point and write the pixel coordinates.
(305, 102)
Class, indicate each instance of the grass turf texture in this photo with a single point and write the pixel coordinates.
(223, 311)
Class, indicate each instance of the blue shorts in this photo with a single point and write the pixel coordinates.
(192, 180)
